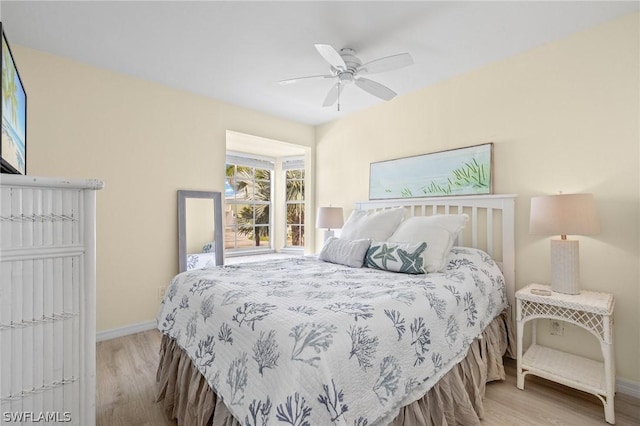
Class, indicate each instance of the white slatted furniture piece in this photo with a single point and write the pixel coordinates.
(491, 226)
(47, 300)
(590, 310)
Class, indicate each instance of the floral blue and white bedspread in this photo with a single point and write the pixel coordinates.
(302, 342)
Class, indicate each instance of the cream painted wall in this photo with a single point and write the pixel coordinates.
(564, 116)
(145, 141)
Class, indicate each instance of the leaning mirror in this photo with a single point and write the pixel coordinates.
(199, 229)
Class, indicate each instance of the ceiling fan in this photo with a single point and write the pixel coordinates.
(347, 68)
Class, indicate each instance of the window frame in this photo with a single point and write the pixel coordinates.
(253, 162)
(294, 163)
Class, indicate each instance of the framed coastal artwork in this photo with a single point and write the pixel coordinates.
(461, 171)
(13, 148)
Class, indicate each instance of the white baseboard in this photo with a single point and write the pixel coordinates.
(628, 387)
(125, 331)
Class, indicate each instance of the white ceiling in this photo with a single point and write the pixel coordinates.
(237, 51)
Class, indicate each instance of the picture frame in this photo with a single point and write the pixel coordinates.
(13, 146)
(460, 171)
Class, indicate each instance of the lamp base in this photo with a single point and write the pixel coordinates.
(328, 233)
(565, 266)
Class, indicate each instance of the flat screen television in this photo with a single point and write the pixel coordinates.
(13, 149)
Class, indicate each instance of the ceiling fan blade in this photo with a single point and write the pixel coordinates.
(387, 63)
(332, 96)
(331, 55)
(294, 80)
(376, 89)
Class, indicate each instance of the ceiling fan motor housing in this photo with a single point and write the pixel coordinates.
(352, 63)
(350, 59)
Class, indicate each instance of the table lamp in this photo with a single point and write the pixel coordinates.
(329, 218)
(564, 214)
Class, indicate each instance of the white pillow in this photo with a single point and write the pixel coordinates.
(345, 252)
(377, 226)
(438, 231)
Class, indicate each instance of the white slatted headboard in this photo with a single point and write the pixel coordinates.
(491, 224)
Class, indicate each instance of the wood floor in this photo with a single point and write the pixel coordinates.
(126, 370)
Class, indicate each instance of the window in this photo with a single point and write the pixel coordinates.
(248, 198)
(295, 198)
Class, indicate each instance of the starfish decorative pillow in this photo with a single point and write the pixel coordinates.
(396, 257)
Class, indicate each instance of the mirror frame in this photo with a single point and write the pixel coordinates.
(182, 224)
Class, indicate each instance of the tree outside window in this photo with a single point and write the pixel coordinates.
(248, 222)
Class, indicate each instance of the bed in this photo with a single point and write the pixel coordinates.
(318, 340)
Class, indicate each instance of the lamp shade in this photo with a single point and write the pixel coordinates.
(329, 218)
(564, 214)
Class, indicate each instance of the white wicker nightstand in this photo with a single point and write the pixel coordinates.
(589, 310)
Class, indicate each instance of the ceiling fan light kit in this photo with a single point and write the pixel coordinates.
(346, 67)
